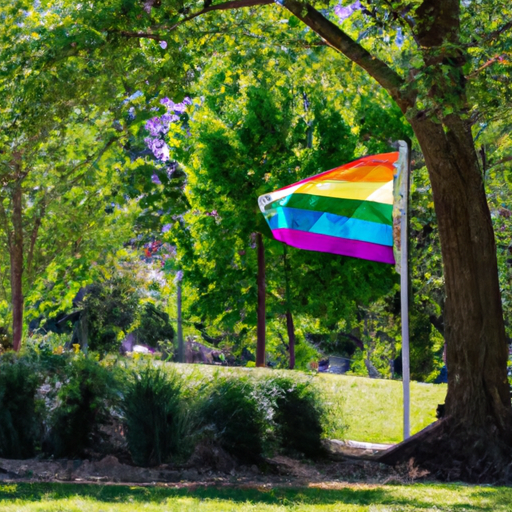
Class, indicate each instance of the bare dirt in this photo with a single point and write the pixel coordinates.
(215, 468)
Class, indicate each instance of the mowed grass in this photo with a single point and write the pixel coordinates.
(373, 408)
(25, 497)
(370, 408)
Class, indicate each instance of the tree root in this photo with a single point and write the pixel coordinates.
(451, 451)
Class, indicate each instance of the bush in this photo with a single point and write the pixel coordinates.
(154, 326)
(154, 417)
(84, 401)
(20, 425)
(298, 413)
(232, 411)
(108, 309)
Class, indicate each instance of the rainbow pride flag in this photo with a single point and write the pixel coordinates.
(347, 210)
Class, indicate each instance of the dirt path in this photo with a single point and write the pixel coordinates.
(277, 471)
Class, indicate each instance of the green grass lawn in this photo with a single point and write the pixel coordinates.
(24, 497)
(371, 408)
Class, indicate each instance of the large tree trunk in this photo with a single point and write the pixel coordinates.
(16, 261)
(474, 440)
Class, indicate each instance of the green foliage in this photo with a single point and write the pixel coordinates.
(154, 326)
(84, 399)
(298, 415)
(233, 414)
(305, 354)
(381, 125)
(155, 416)
(424, 351)
(257, 135)
(20, 425)
(109, 308)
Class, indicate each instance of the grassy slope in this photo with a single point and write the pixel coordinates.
(371, 408)
(47, 497)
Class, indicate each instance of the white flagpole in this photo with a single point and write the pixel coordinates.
(404, 282)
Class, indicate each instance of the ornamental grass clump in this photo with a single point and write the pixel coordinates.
(20, 423)
(298, 411)
(232, 413)
(84, 401)
(155, 416)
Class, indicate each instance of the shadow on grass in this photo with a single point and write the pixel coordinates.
(479, 499)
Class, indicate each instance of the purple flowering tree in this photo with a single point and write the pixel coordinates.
(158, 127)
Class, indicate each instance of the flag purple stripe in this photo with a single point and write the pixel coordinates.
(342, 246)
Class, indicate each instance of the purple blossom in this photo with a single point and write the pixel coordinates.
(399, 39)
(344, 13)
(163, 45)
(179, 276)
(159, 148)
(167, 103)
(166, 227)
(155, 179)
(160, 125)
(154, 126)
(177, 108)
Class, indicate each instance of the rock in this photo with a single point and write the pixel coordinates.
(107, 463)
(208, 456)
(190, 474)
(254, 469)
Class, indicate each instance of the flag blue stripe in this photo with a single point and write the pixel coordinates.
(324, 223)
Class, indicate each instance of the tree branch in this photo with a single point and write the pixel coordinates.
(483, 66)
(337, 39)
(502, 161)
(92, 159)
(491, 35)
(225, 6)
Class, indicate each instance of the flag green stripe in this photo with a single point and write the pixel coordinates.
(356, 208)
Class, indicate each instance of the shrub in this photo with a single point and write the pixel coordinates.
(84, 400)
(109, 308)
(154, 326)
(232, 411)
(304, 354)
(20, 425)
(154, 416)
(298, 413)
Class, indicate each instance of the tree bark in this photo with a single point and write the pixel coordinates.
(475, 333)
(291, 337)
(16, 261)
(474, 440)
(260, 344)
